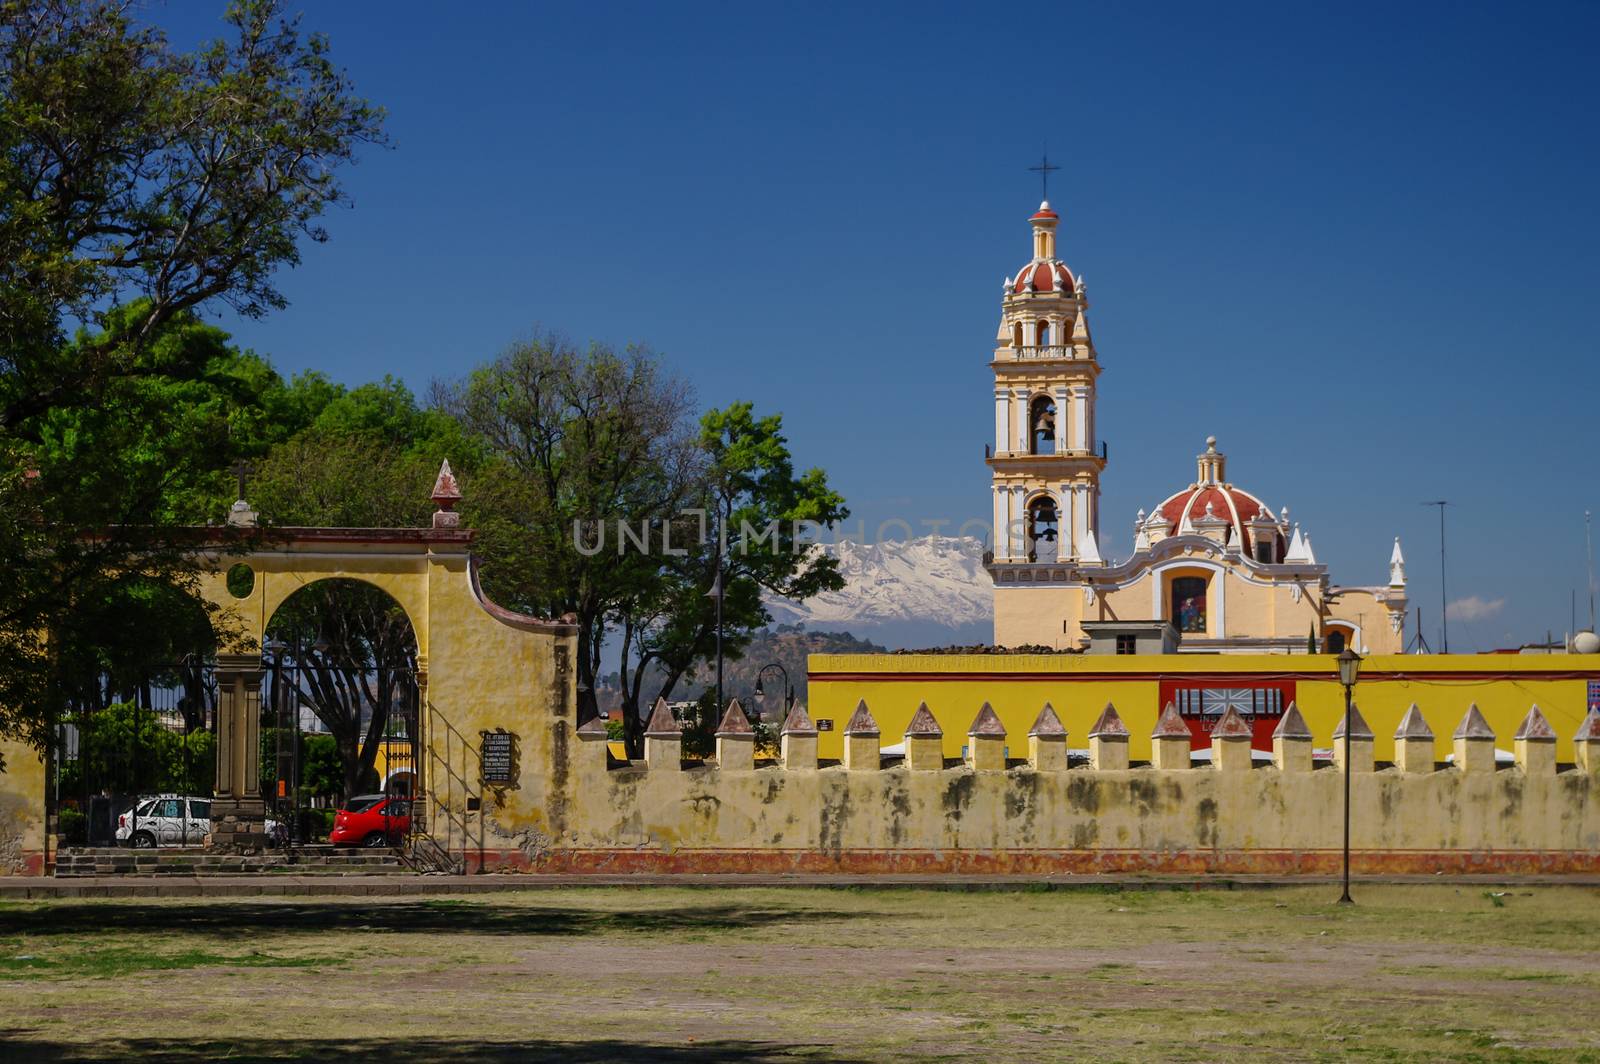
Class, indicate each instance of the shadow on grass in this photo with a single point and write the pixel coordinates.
(414, 1051)
(383, 915)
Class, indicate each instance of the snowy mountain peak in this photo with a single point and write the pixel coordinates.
(934, 580)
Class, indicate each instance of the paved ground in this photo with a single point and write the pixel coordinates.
(279, 884)
(1459, 972)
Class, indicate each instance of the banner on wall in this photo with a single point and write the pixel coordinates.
(1201, 705)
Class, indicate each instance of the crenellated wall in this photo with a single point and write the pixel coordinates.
(1052, 812)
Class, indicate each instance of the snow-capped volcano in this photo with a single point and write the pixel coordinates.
(928, 590)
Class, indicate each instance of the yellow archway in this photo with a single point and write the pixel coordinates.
(480, 669)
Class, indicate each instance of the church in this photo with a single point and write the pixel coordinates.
(1213, 569)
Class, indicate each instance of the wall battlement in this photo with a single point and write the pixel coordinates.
(1059, 810)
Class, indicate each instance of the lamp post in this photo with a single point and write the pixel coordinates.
(716, 593)
(1349, 670)
(761, 694)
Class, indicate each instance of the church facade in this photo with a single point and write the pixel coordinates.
(1210, 559)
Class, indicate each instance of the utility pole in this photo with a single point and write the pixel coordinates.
(1588, 539)
(1444, 602)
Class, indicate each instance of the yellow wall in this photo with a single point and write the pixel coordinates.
(22, 789)
(1031, 615)
(1027, 820)
(1079, 686)
(481, 669)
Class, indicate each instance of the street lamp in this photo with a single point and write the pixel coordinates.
(1349, 670)
(761, 694)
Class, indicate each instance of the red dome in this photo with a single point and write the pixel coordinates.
(1231, 504)
(1047, 277)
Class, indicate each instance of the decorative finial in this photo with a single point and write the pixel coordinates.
(446, 493)
(1211, 445)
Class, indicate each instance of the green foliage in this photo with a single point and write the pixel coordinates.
(572, 437)
(321, 771)
(72, 827)
(762, 507)
(138, 186)
(699, 722)
(125, 750)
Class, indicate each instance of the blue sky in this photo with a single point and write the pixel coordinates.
(1357, 243)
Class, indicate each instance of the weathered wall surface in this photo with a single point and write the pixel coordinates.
(22, 785)
(1083, 819)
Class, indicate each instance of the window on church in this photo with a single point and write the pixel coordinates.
(1189, 604)
(1044, 334)
(1042, 425)
(1127, 644)
(1043, 530)
(1016, 334)
(1264, 549)
(1333, 642)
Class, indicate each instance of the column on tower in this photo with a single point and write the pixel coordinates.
(1002, 540)
(1088, 426)
(1080, 517)
(1080, 418)
(1017, 524)
(1002, 421)
(1066, 511)
(1061, 418)
(1021, 444)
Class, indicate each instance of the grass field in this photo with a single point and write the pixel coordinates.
(755, 975)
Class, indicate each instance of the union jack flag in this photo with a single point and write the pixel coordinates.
(1251, 702)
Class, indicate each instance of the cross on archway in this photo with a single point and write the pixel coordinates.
(241, 469)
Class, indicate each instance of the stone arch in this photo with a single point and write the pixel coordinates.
(1042, 415)
(1042, 530)
(479, 668)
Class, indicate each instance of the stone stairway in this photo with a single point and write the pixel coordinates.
(313, 860)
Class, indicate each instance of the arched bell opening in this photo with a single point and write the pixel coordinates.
(1016, 334)
(1043, 530)
(1044, 334)
(1042, 425)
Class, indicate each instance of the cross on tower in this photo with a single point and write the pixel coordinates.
(1043, 170)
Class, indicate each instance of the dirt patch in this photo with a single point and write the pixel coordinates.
(771, 974)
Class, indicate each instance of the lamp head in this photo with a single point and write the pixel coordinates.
(1349, 667)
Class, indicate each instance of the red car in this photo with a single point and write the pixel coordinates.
(371, 820)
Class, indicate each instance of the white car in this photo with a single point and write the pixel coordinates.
(172, 820)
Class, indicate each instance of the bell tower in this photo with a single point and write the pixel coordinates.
(1045, 464)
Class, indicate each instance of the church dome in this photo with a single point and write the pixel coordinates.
(1212, 498)
(1050, 276)
(1231, 504)
(1044, 272)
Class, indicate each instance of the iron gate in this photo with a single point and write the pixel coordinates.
(123, 760)
(356, 707)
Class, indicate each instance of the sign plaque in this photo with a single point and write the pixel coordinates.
(497, 757)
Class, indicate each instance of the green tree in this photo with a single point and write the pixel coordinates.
(367, 458)
(138, 184)
(761, 510)
(123, 749)
(577, 441)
